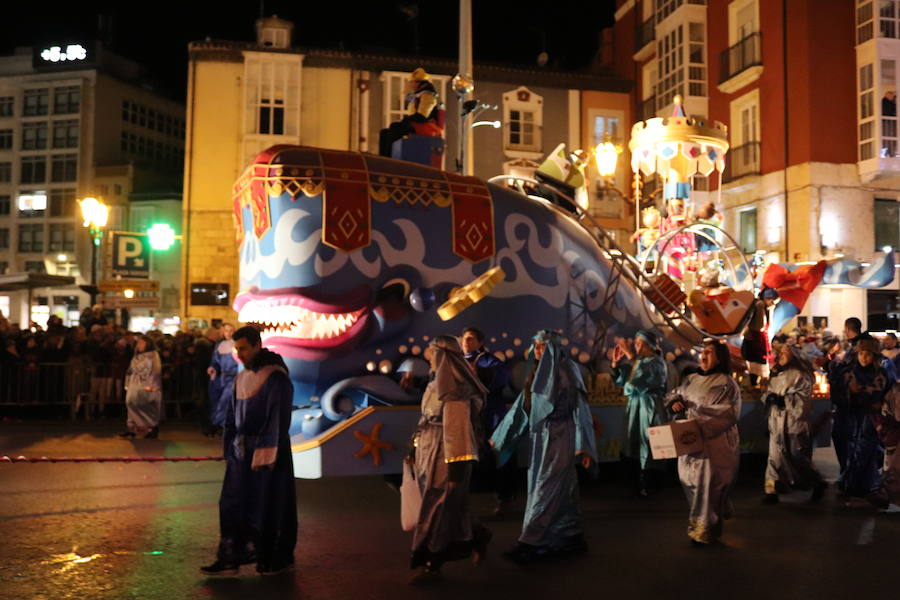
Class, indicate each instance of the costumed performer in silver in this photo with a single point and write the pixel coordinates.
(143, 390)
(445, 446)
(789, 403)
(713, 399)
(641, 372)
(552, 410)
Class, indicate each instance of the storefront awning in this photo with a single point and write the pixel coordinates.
(28, 281)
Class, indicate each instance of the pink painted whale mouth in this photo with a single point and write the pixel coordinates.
(302, 323)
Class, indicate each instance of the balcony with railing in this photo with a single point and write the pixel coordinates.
(643, 39)
(740, 64)
(741, 162)
(879, 144)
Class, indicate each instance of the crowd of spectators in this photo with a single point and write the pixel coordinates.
(55, 364)
(816, 345)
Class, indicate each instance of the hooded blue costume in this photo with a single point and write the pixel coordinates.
(553, 411)
(644, 382)
(258, 508)
(221, 387)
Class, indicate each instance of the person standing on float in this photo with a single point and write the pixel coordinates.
(553, 412)
(713, 399)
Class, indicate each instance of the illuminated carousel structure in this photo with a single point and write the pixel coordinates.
(699, 282)
(684, 306)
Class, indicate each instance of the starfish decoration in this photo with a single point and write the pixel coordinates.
(372, 445)
(597, 425)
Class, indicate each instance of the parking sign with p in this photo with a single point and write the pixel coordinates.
(130, 254)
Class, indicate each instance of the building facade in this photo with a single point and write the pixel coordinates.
(807, 89)
(75, 120)
(244, 97)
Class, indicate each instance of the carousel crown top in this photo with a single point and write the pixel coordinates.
(678, 147)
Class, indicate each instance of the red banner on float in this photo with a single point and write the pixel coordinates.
(473, 218)
(346, 209)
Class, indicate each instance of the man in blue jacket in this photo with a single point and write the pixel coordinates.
(493, 373)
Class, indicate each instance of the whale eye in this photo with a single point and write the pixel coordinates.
(393, 289)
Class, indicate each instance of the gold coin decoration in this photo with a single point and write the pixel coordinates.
(463, 297)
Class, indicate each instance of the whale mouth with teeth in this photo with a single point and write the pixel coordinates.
(299, 326)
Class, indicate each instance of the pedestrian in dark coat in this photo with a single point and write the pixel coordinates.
(257, 507)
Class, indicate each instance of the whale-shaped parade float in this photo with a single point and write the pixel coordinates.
(350, 263)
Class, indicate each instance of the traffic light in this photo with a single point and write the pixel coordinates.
(161, 236)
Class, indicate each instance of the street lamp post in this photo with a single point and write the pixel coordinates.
(606, 158)
(95, 215)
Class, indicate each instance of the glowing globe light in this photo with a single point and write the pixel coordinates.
(161, 236)
(606, 155)
(94, 212)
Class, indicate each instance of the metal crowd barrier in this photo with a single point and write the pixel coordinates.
(73, 385)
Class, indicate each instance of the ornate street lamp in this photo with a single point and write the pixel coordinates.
(606, 155)
(95, 215)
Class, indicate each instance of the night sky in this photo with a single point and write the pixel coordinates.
(156, 33)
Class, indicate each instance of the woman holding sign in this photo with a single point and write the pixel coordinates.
(712, 399)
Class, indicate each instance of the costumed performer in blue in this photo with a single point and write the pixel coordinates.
(789, 404)
(258, 506)
(552, 410)
(713, 399)
(445, 447)
(223, 368)
(641, 371)
(867, 384)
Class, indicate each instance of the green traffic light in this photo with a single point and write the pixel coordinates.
(161, 236)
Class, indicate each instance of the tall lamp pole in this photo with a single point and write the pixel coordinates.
(95, 215)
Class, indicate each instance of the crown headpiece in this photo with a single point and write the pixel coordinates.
(678, 147)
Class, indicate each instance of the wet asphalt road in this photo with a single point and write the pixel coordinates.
(121, 531)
